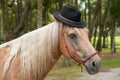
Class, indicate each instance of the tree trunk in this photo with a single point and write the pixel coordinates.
(30, 19)
(85, 11)
(70, 2)
(1, 29)
(104, 41)
(39, 15)
(21, 25)
(98, 46)
(60, 4)
(102, 22)
(104, 17)
(112, 28)
(105, 36)
(113, 36)
(95, 34)
(76, 3)
(5, 17)
(89, 13)
(93, 21)
(16, 18)
(19, 11)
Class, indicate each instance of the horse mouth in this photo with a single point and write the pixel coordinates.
(93, 67)
(92, 71)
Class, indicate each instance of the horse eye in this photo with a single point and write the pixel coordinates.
(72, 36)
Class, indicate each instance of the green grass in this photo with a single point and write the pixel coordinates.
(70, 73)
(107, 50)
(111, 63)
(117, 39)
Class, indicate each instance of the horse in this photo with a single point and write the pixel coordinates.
(32, 55)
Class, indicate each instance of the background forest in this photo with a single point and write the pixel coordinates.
(102, 17)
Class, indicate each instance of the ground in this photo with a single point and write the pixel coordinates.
(110, 70)
(112, 74)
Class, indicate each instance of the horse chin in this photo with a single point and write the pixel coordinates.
(92, 69)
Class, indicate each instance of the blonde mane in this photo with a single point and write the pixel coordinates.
(35, 49)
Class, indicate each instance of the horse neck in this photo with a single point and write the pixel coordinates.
(47, 51)
(38, 50)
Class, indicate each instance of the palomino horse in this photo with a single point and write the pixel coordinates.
(33, 55)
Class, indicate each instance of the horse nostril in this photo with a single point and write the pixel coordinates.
(93, 64)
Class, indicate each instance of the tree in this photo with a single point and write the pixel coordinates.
(16, 18)
(60, 4)
(70, 2)
(5, 17)
(115, 10)
(98, 47)
(112, 35)
(89, 13)
(39, 15)
(115, 18)
(102, 20)
(93, 20)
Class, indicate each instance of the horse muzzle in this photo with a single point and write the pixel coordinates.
(93, 66)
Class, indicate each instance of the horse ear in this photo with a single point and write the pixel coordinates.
(54, 18)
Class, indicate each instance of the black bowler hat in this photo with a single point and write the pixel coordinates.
(70, 15)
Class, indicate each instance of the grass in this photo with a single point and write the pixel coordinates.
(107, 50)
(110, 60)
(111, 63)
(70, 73)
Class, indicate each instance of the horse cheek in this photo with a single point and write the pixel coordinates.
(63, 50)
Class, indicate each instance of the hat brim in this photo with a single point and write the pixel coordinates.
(80, 24)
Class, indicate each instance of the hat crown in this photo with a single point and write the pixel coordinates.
(71, 12)
(70, 15)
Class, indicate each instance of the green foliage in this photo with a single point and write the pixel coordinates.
(48, 8)
(117, 41)
(115, 10)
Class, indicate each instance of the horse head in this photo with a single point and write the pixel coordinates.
(75, 44)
